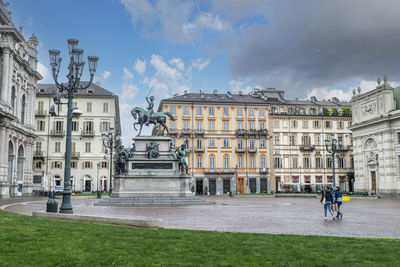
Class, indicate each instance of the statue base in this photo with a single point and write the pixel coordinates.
(152, 181)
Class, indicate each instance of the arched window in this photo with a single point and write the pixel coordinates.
(13, 97)
(23, 109)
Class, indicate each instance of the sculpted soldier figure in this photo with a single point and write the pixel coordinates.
(120, 161)
(180, 154)
(152, 150)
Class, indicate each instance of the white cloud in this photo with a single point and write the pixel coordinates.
(178, 63)
(106, 74)
(127, 75)
(204, 21)
(240, 85)
(129, 91)
(44, 71)
(200, 63)
(140, 66)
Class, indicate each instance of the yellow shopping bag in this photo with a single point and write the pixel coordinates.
(345, 198)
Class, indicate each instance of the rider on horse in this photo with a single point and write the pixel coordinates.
(150, 110)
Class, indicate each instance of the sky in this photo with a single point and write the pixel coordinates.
(164, 47)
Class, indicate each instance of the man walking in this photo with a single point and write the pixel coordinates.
(338, 201)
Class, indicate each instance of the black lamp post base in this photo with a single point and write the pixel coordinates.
(66, 206)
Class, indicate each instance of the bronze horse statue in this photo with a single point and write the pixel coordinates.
(144, 117)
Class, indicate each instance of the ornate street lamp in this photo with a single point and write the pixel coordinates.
(73, 85)
(108, 143)
(332, 146)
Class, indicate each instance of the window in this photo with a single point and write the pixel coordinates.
(312, 111)
(277, 163)
(294, 124)
(212, 163)
(316, 124)
(57, 164)
(307, 163)
(306, 140)
(186, 142)
(305, 124)
(186, 111)
(251, 113)
(74, 104)
(57, 147)
(186, 125)
(173, 125)
(240, 162)
(251, 125)
(318, 163)
(292, 140)
(226, 142)
(276, 123)
(13, 96)
(199, 143)
(226, 112)
(38, 165)
(329, 162)
(104, 126)
(211, 111)
(340, 125)
(239, 112)
(87, 165)
(38, 146)
(240, 144)
(173, 142)
(104, 164)
(240, 125)
(173, 110)
(199, 165)
(262, 143)
(23, 107)
(198, 111)
(105, 107)
(40, 126)
(262, 163)
(199, 125)
(211, 126)
(87, 147)
(251, 144)
(261, 113)
(317, 139)
(341, 163)
(301, 111)
(89, 107)
(276, 140)
(88, 126)
(327, 124)
(40, 105)
(262, 125)
(58, 126)
(73, 147)
(252, 163)
(212, 142)
(75, 126)
(226, 126)
(226, 163)
(74, 164)
(294, 162)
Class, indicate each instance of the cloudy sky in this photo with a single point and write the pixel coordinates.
(309, 47)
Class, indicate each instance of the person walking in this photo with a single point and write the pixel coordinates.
(326, 199)
(338, 201)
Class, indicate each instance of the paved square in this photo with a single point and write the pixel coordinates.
(300, 216)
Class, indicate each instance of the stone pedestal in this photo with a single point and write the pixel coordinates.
(154, 181)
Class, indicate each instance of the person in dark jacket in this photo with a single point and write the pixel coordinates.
(338, 201)
(327, 196)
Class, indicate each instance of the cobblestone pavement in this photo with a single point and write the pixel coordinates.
(300, 216)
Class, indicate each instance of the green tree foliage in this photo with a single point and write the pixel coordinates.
(326, 111)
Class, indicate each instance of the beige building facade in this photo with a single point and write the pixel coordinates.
(90, 169)
(18, 80)
(240, 142)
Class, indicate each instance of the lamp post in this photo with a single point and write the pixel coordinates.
(98, 181)
(332, 146)
(108, 143)
(72, 86)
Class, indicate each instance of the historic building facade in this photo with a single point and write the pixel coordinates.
(376, 139)
(19, 78)
(256, 143)
(90, 169)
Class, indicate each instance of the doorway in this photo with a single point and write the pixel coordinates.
(373, 182)
(240, 185)
(88, 186)
(227, 185)
(199, 186)
(213, 186)
(253, 185)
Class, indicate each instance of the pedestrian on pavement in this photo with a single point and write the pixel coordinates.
(326, 199)
(338, 201)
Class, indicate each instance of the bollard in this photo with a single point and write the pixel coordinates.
(52, 204)
(230, 194)
(98, 194)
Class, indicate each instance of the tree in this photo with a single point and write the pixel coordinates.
(335, 111)
(346, 110)
(325, 111)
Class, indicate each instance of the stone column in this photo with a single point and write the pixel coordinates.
(5, 74)
(3, 155)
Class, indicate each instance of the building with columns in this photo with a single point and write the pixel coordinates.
(90, 169)
(19, 77)
(376, 140)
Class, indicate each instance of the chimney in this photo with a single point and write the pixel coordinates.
(314, 99)
(240, 93)
(215, 91)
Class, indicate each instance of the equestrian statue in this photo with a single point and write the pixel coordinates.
(147, 117)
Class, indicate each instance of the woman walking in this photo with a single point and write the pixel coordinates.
(326, 199)
(338, 201)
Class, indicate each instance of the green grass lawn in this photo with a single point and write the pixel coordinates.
(28, 241)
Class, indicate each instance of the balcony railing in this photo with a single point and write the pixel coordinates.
(219, 170)
(252, 132)
(57, 132)
(86, 133)
(307, 148)
(38, 154)
(252, 150)
(40, 113)
(263, 132)
(240, 150)
(173, 131)
(75, 155)
(199, 149)
(185, 132)
(344, 148)
(264, 170)
(199, 132)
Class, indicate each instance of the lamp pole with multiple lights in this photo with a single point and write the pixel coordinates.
(332, 146)
(108, 142)
(72, 86)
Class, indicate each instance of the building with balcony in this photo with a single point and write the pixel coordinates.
(19, 77)
(260, 142)
(89, 169)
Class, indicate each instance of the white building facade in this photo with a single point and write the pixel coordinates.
(19, 77)
(376, 139)
(90, 169)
